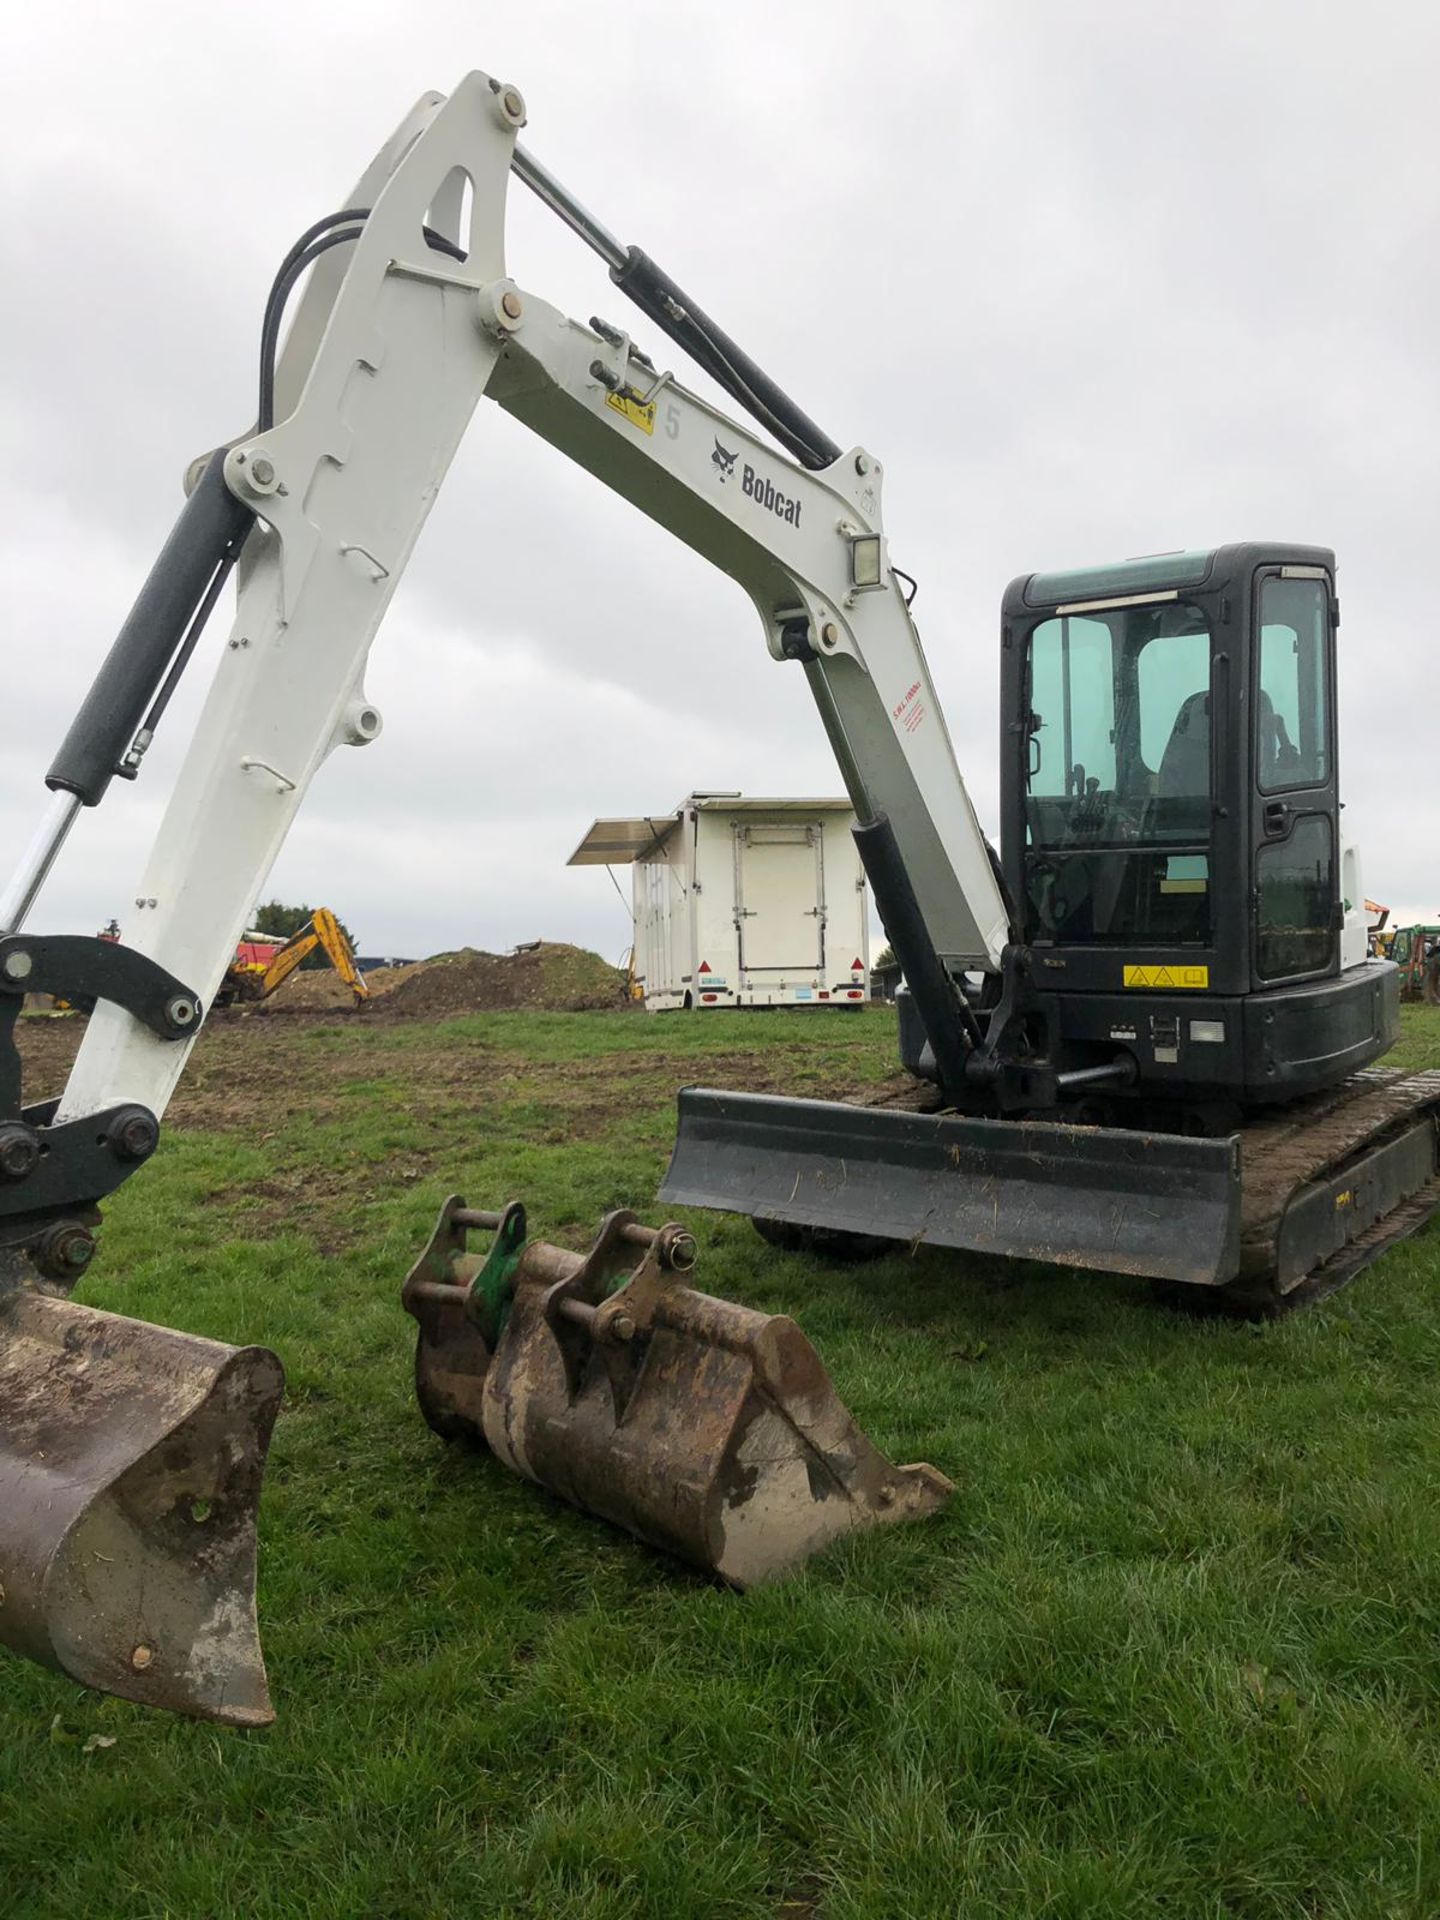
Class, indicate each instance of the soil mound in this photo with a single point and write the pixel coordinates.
(548, 977)
(321, 988)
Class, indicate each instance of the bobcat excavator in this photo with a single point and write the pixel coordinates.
(1142, 1034)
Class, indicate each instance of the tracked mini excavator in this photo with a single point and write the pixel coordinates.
(1142, 1035)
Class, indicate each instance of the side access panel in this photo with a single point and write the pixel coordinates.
(1161, 1205)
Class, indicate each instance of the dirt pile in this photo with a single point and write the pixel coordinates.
(322, 987)
(548, 977)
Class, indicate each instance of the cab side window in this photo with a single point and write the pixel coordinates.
(1293, 722)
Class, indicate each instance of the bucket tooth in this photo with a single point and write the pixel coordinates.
(703, 1427)
(131, 1458)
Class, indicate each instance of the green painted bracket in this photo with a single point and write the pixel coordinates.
(492, 1291)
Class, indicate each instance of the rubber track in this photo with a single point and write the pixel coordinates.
(1313, 1140)
(1308, 1140)
(1255, 1297)
(1315, 1137)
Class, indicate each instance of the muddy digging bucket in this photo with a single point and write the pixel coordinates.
(131, 1458)
(703, 1427)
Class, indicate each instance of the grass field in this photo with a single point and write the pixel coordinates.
(1173, 1648)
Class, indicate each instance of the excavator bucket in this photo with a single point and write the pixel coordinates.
(703, 1427)
(130, 1465)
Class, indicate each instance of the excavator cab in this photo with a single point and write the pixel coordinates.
(1186, 975)
(1171, 826)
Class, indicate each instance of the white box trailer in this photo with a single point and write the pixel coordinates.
(743, 903)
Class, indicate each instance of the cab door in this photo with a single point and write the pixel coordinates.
(1295, 893)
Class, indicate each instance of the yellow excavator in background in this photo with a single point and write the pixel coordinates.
(262, 964)
(1380, 937)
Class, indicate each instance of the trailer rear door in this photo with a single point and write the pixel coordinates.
(780, 897)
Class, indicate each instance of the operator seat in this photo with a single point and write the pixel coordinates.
(1180, 804)
(1184, 772)
(1278, 756)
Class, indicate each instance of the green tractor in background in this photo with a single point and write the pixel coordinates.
(1416, 951)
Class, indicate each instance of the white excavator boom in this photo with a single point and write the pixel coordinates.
(391, 348)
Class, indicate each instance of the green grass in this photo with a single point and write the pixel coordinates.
(1173, 1648)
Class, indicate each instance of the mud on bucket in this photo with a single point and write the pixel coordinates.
(131, 1458)
(703, 1427)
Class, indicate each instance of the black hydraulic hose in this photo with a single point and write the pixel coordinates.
(182, 659)
(437, 243)
(282, 283)
(305, 252)
(295, 263)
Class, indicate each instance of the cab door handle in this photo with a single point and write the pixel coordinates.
(1277, 816)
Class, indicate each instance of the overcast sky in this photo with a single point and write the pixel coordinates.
(1092, 279)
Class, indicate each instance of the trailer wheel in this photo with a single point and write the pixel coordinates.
(833, 1243)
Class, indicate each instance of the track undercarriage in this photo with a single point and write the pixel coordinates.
(1329, 1183)
(1281, 1211)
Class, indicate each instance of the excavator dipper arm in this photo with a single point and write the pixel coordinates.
(324, 931)
(295, 952)
(381, 373)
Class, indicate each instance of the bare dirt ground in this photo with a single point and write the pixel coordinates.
(250, 1071)
(244, 1072)
(547, 977)
(426, 1087)
(257, 1074)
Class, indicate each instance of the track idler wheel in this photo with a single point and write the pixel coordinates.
(703, 1427)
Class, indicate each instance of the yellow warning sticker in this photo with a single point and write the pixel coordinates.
(1175, 978)
(638, 416)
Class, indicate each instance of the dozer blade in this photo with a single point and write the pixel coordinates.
(703, 1427)
(1162, 1205)
(130, 1465)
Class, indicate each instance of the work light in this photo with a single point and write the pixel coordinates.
(865, 560)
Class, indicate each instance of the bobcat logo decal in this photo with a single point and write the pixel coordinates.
(723, 461)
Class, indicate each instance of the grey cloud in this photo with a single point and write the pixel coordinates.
(1090, 280)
